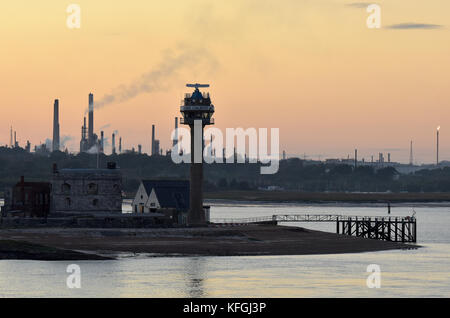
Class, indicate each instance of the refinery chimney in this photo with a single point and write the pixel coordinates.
(91, 121)
(102, 142)
(113, 151)
(437, 145)
(120, 145)
(153, 140)
(55, 142)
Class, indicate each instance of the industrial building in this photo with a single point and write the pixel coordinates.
(28, 199)
(88, 138)
(87, 190)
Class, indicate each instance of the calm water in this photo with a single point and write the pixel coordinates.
(414, 273)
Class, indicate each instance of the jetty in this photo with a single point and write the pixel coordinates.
(396, 228)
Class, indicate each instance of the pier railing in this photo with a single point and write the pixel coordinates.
(393, 228)
(291, 218)
(387, 229)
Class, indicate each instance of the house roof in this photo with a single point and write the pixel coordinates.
(170, 193)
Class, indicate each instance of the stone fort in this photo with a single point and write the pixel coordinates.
(90, 191)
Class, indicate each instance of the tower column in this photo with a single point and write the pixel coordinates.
(196, 214)
(197, 111)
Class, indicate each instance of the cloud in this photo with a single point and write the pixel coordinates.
(394, 149)
(412, 25)
(360, 5)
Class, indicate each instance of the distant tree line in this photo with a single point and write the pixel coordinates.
(293, 174)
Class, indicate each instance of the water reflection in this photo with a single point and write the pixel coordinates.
(195, 276)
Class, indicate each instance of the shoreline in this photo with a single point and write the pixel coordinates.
(24, 250)
(246, 240)
(330, 197)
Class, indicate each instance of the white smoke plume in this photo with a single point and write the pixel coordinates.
(94, 149)
(64, 140)
(158, 78)
(48, 143)
(105, 126)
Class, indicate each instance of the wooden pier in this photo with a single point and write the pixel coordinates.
(395, 229)
(386, 229)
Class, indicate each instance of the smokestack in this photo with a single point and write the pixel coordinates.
(15, 140)
(140, 149)
(175, 138)
(113, 144)
(389, 157)
(356, 157)
(11, 138)
(437, 145)
(91, 120)
(102, 141)
(84, 128)
(120, 145)
(153, 140)
(55, 142)
(411, 161)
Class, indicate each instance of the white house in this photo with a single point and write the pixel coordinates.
(161, 194)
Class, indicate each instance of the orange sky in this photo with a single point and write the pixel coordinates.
(311, 68)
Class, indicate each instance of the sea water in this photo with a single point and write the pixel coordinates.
(423, 272)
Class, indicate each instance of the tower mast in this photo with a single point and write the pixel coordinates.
(197, 112)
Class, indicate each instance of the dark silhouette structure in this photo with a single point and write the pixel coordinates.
(29, 199)
(55, 143)
(197, 112)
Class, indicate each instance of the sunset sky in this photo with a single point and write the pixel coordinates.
(310, 67)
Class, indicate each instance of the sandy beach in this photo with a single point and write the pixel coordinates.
(210, 241)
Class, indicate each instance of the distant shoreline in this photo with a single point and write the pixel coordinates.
(329, 197)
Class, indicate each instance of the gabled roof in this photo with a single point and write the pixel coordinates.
(170, 193)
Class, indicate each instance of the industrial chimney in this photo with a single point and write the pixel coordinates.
(437, 145)
(113, 151)
(153, 141)
(91, 121)
(55, 143)
(102, 142)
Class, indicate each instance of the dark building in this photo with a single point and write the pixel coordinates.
(28, 199)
